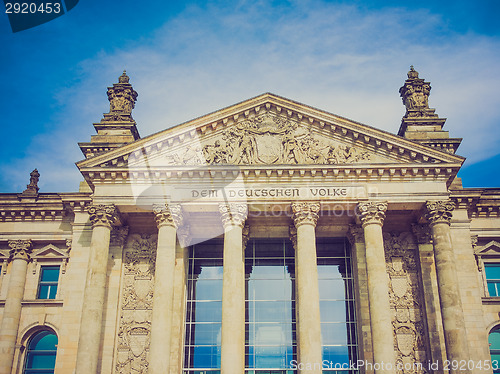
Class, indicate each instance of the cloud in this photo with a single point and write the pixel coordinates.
(335, 57)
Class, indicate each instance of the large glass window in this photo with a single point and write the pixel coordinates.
(270, 322)
(49, 277)
(338, 320)
(270, 340)
(493, 278)
(204, 309)
(41, 353)
(494, 340)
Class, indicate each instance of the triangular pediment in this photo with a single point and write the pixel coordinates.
(49, 251)
(491, 248)
(270, 132)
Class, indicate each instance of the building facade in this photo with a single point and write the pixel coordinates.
(266, 237)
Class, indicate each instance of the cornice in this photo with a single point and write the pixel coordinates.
(45, 207)
(267, 173)
(480, 202)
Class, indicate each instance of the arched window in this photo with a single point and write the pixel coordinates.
(41, 353)
(494, 340)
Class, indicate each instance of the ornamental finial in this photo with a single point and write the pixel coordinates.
(124, 78)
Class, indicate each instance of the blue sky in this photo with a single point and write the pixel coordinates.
(189, 58)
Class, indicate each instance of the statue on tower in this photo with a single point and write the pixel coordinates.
(32, 188)
(122, 96)
(415, 94)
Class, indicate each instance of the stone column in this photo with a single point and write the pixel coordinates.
(372, 215)
(233, 217)
(20, 256)
(428, 279)
(102, 217)
(168, 217)
(438, 214)
(179, 301)
(305, 217)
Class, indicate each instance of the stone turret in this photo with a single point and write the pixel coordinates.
(420, 123)
(117, 128)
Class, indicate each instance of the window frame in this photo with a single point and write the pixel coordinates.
(27, 351)
(42, 283)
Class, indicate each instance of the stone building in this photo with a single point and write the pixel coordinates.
(266, 237)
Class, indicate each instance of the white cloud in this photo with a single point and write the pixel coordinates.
(336, 58)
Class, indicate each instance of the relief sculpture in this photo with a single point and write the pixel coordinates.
(406, 303)
(268, 139)
(136, 305)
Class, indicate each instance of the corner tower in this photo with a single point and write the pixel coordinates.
(117, 128)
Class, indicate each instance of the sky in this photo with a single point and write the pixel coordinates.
(190, 58)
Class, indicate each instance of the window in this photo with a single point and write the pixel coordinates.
(336, 300)
(204, 309)
(47, 288)
(493, 278)
(41, 353)
(270, 327)
(494, 340)
(270, 323)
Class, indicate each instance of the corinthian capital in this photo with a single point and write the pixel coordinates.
(439, 211)
(355, 234)
(168, 215)
(20, 249)
(233, 214)
(104, 215)
(305, 213)
(371, 212)
(422, 233)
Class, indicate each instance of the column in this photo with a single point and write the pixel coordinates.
(20, 256)
(168, 218)
(358, 259)
(102, 217)
(372, 215)
(233, 217)
(305, 217)
(438, 214)
(428, 279)
(179, 301)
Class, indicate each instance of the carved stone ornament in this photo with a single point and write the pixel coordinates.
(371, 212)
(415, 95)
(305, 213)
(119, 235)
(268, 139)
(104, 215)
(32, 188)
(20, 249)
(439, 211)
(422, 233)
(245, 235)
(122, 96)
(233, 214)
(355, 234)
(136, 305)
(292, 231)
(406, 302)
(168, 215)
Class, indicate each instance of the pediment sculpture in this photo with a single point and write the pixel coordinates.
(268, 139)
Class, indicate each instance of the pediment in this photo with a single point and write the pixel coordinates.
(491, 248)
(49, 251)
(269, 131)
